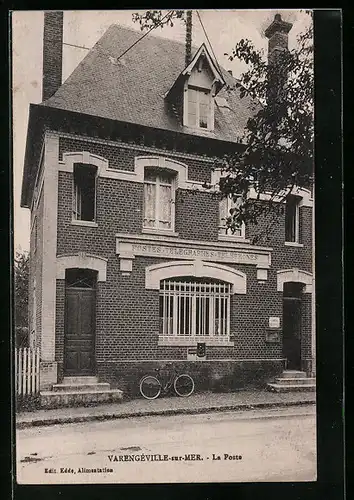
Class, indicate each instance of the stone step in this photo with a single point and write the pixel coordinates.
(80, 380)
(292, 374)
(295, 380)
(291, 388)
(99, 386)
(59, 399)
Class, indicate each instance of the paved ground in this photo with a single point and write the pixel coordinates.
(277, 444)
(197, 403)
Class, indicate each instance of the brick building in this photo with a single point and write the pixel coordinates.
(131, 262)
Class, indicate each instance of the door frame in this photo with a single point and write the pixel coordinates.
(298, 301)
(93, 367)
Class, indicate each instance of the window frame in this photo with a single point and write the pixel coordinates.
(76, 195)
(210, 115)
(222, 229)
(158, 174)
(296, 223)
(202, 325)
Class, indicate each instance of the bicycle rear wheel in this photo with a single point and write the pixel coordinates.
(150, 387)
(183, 385)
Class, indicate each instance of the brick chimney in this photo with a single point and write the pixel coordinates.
(52, 52)
(189, 23)
(278, 35)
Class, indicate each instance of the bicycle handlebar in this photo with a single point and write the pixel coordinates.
(166, 364)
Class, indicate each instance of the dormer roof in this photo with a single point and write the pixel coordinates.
(203, 52)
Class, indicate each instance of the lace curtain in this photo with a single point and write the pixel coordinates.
(149, 205)
(165, 207)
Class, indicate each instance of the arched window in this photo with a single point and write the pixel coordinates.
(198, 308)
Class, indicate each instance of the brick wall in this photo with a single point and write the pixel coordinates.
(196, 215)
(123, 159)
(126, 325)
(119, 209)
(127, 320)
(283, 256)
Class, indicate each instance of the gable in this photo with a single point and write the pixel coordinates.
(201, 78)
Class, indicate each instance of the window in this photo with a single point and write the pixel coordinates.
(199, 108)
(158, 200)
(292, 219)
(226, 204)
(84, 196)
(195, 308)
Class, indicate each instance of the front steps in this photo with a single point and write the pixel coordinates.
(291, 381)
(79, 391)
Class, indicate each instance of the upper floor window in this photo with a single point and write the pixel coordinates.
(199, 108)
(292, 219)
(84, 192)
(227, 204)
(159, 198)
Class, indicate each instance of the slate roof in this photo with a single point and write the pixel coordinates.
(134, 88)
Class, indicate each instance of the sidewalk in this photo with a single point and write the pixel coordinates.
(197, 403)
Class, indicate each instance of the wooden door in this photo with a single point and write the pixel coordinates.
(80, 306)
(292, 332)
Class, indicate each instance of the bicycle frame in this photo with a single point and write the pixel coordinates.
(165, 387)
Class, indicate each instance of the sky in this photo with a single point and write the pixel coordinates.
(224, 28)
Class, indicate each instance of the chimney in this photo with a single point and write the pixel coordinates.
(188, 37)
(277, 34)
(229, 71)
(52, 53)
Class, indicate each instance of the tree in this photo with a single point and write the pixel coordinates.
(21, 276)
(277, 156)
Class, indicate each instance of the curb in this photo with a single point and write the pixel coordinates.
(168, 412)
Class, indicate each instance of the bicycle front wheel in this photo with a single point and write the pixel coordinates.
(150, 387)
(183, 385)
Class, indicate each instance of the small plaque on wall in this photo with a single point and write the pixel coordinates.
(193, 355)
(272, 336)
(274, 322)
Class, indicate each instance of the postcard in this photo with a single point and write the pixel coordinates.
(164, 246)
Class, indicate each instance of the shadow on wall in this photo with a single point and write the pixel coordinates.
(212, 376)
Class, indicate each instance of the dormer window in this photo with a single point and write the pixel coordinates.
(199, 108)
(197, 84)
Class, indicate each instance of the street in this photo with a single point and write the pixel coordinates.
(255, 445)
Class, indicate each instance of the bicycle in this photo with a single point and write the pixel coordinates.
(151, 386)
